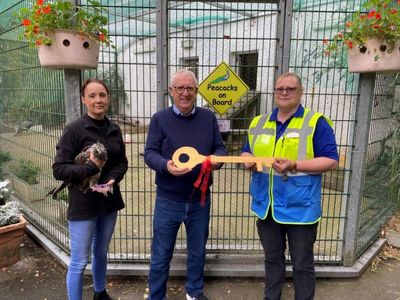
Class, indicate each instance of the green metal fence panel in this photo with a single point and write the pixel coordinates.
(32, 119)
(331, 90)
(200, 35)
(378, 199)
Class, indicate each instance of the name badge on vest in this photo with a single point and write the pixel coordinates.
(292, 135)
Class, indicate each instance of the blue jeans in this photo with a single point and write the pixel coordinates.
(168, 216)
(94, 233)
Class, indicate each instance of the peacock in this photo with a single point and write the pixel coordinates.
(23, 127)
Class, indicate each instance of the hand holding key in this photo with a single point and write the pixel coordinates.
(194, 158)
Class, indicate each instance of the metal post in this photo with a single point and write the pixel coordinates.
(284, 35)
(72, 79)
(357, 165)
(72, 99)
(162, 54)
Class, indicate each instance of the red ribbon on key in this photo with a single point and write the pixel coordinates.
(203, 178)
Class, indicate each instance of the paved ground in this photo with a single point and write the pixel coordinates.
(37, 276)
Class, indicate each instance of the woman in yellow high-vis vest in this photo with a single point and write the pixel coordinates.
(287, 197)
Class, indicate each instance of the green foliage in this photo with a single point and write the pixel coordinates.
(380, 20)
(63, 195)
(39, 100)
(395, 162)
(41, 109)
(27, 171)
(46, 16)
(4, 157)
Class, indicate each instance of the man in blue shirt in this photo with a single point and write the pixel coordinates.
(177, 201)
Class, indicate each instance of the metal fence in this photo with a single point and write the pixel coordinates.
(258, 39)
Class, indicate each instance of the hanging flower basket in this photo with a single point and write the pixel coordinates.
(66, 35)
(70, 49)
(374, 56)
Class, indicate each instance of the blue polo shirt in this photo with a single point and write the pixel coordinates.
(323, 140)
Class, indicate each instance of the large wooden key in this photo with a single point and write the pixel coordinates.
(194, 158)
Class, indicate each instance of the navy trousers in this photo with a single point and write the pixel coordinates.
(301, 239)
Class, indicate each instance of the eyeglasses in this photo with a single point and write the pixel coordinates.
(289, 90)
(189, 89)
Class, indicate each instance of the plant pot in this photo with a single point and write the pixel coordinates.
(71, 50)
(373, 57)
(26, 191)
(10, 239)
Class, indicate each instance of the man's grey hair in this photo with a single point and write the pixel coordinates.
(183, 72)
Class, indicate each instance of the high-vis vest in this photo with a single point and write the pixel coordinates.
(293, 198)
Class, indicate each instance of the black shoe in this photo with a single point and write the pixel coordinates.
(199, 297)
(101, 295)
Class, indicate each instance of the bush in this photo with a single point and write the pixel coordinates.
(27, 171)
(4, 157)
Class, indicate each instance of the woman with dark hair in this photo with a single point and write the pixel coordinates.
(92, 212)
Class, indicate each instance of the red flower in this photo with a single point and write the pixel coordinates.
(101, 37)
(377, 16)
(47, 9)
(348, 23)
(35, 29)
(362, 17)
(339, 35)
(393, 11)
(39, 2)
(325, 41)
(371, 14)
(38, 42)
(349, 44)
(26, 22)
(38, 12)
(376, 26)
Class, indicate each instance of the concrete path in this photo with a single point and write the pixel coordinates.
(37, 276)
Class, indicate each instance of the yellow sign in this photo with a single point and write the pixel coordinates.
(222, 88)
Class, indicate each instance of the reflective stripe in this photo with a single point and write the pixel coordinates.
(259, 130)
(288, 174)
(304, 133)
(298, 131)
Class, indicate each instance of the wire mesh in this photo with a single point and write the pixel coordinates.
(200, 35)
(377, 203)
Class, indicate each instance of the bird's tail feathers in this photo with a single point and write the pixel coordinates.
(53, 192)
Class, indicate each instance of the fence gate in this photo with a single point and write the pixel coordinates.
(258, 40)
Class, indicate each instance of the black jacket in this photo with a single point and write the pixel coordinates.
(77, 135)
